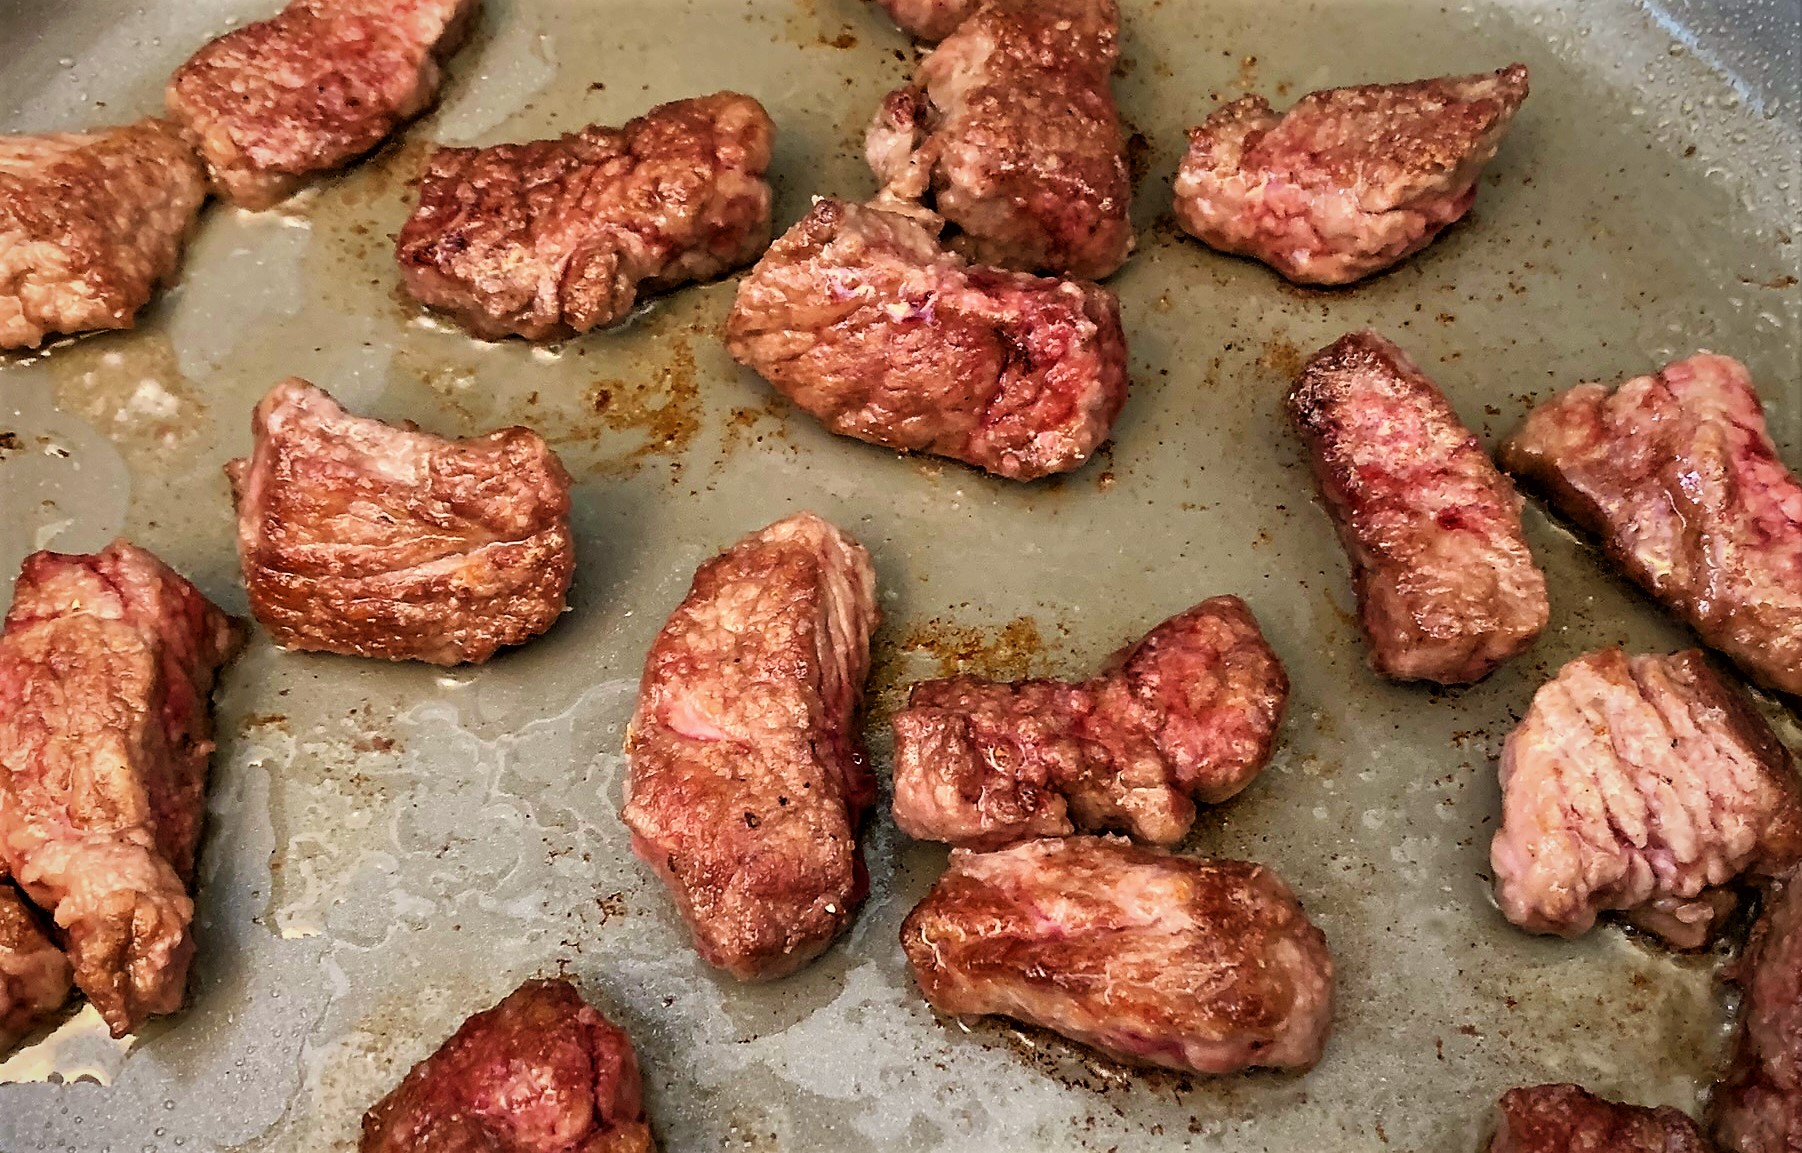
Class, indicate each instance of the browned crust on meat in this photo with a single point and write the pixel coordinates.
(90, 224)
(555, 237)
(1570, 1119)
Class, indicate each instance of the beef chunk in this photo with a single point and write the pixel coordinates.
(1641, 784)
(1009, 131)
(106, 669)
(1677, 477)
(1204, 966)
(311, 89)
(1447, 589)
(90, 223)
(1349, 181)
(541, 1072)
(556, 237)
(1567, 1119)
(373, 540)
(1758, 1109)
(929, 19)
(34, 973)
(1189, 713)
(748, 780)
(860, 319)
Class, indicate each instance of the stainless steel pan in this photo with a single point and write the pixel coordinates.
(393, 847)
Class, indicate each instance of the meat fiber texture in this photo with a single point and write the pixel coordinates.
(1009, 131)
(1644, 784)
(541, 1072)
(1569, 1119)
(555, 237)
(374, 540)
(311, 89)
(1349, 181)
(859, 318)
(1677, 477)
(1758, 1109)
(35, 977)
(107, 664)
(1187, 714)
(1447, 588)
(90, 224)
(1197, 965)
(748, 780)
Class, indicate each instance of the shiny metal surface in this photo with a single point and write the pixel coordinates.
(393, 847)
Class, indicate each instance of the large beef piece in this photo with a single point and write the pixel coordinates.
(1643, 784)
(1349, 181)
(375, 540)
(748, 778)
(930, 19)
(90, 223)
(541, 1072)
(556, 237)
(1447, 589)
(1010, 132)
(311, 89)
(1758, 1109)
(34, 973)
(1204, 966)
(1569, 1119)
(106, 669)
(858, 317)
(1677, 477)
(1187, 714)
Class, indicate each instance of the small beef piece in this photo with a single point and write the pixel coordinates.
(378, 540)
(541, 1072)
(1758, 1109)
(1568, 1119)
(748, 779)
(1447, 589)
(1678, 478)
(1203, 966)
(1349, 181)
(1189, 713)
(1640, 784)
(34, 973)
(556, 237)
(90, 224)
(1009, 131)
(311, 89)
(860, 319)
(929, 19)
(106, 669)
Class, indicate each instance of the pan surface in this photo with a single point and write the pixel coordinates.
(393, 847)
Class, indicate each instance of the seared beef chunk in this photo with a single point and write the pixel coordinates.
(1567, 1119)
(1447, 589)
(311, 89)
(748, 779)
(1759, 1107)
(34, 973)
(1349, 181)
(106, 666)
(1677, 477)
(860, 319)
(1641, 784)
(1009, 131)
(1189, 713)
(559, 236)
(541, 1072)
(1206, 966)
(930, 19)
(90, 223)
(380, 541)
